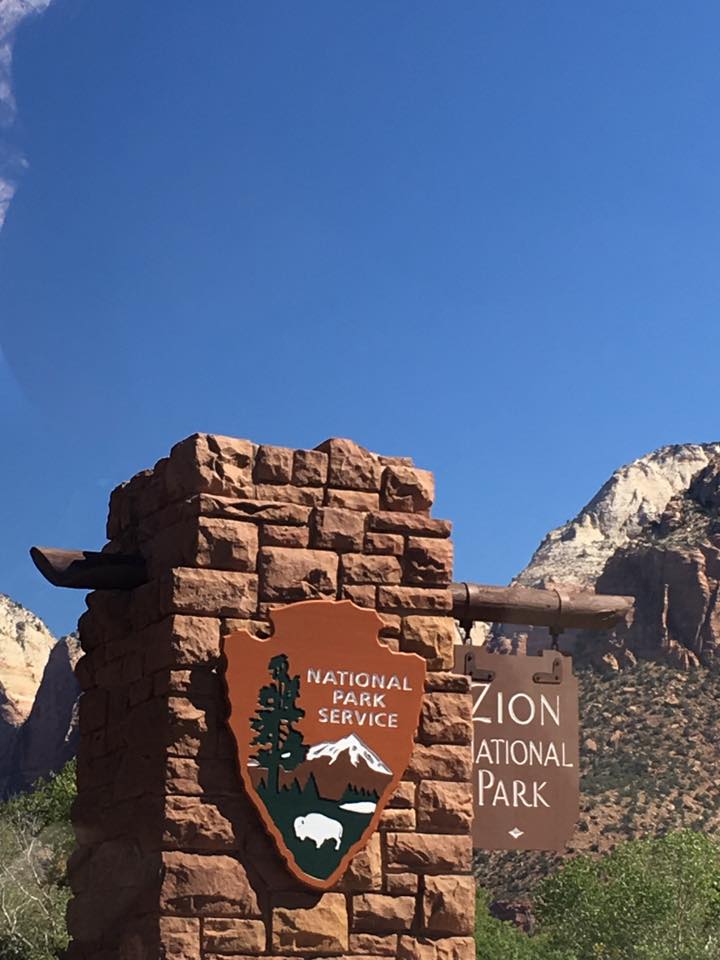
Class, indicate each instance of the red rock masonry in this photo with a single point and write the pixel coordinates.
(171, 858)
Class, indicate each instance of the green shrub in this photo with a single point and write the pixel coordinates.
(653, 899)
(35, 842)
(498, 940)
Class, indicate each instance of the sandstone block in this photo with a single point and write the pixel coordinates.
(259, 511)
(225, 935)
(432, 637)
(363, 500)
(92, 710)
(361, 594)
(404, 795)
(414, 599)
(407, 489)
(306, 496)
(392, 625)
(188, 776)
(179, 938)
(352, 467)
(410, 524)
(440, 762)
(288, 575)
(273, 465)
(186, 732)
(380, 913)
(85, 672)
(142, 495)
(310, 468)
(214, 593)
(397, 819)
(137, 774)
(428, 853)
(449, 905)
(446, 682)
(172, 546)
(198, 824)
(365, 870)
(428, 561)
(451, 948)
(283, 536)
(256, 628)
(226, 545)
(316, 925)
(373, 944)
(384, 543)
(359, 568)
(209, 464)
(446, 718)
(140, 690)
(332, 528)
(444, 807)
(206, 885)
(401, 884)
(180, 641)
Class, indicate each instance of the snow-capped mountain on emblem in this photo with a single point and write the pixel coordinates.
(354, 747)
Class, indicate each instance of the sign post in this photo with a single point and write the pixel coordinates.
(526, 790)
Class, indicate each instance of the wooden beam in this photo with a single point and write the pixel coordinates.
(535, 607)
(90, 570)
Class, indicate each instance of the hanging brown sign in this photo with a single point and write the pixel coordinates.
(324, 717)
(525, 748)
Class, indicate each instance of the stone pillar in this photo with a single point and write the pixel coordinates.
(172, 860)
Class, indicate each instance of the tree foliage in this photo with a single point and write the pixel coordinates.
(650, 899)
(280, 743)
(35, 842)
(499, 940)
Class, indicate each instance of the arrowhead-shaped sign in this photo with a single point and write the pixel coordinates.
(324, 716)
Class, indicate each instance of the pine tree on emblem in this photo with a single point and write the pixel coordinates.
(280, 744)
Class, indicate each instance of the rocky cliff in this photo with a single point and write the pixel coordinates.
(653, 532)
(38, 692)
(48, 738)
(636, 495)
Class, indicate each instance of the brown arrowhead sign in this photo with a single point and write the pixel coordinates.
(324, 717)
(525, 745)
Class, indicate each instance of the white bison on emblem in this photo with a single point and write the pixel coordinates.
(318, 828)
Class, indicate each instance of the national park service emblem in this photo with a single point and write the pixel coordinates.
(324, 717)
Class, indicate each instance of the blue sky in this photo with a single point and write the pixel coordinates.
(483, 234)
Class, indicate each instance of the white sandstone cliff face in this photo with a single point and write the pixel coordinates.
(48, 738)
(25, 645)
(38, 698)
(635, 495)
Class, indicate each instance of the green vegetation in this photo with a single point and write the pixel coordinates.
(652, 899)
(500, 940)
(35, 842)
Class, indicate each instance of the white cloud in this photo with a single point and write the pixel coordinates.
(12, 14)
(7, 189)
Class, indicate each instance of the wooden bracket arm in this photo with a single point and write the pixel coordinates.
(539, 608)
(90, 570)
